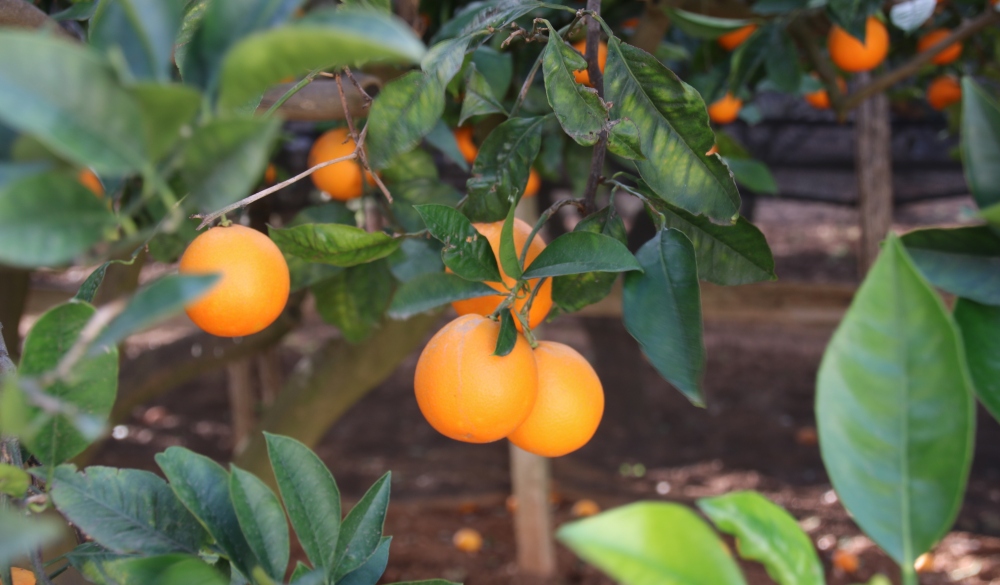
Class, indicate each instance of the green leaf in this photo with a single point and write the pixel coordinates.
(374, 566)
(662, 311)
(262, 520)
(466, 252)
(410, 166)
(652, 542)
(311, 498)
(579, 109)
(21, 534)
(302, 571)
(167, 110)
(163, 298)
(749, 57)
(507, 337)
(980, 328)
(355, 299)
(705, 27)
(89, 389)
(384, 6)
(497, 67)
(83, 10)
(510, 261)
(766, 533)
(166, 570)
(224, 159)
(416, 257)
(782, 62)
(502, 167)
(405, 111)
(126, 510)
(851, 15)
(336, 244)
(202, 485)
(444, 60)
(442, 138)
(326, 39)
(361, 532)
(728, 255)
(578, 252)
(980, 137)
(575, 291)
(963, 261)
(13, 171)
(89, 287)
(485, 15)
(894, 409)
(623, 140)
(14, 481)
(673, 126)
(429, 291)
(752, 174)
(94, 562)
(49, 219)
(69, 98)
(140, 31)
(479, 97)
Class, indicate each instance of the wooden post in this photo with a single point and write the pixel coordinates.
(13, 298)
(241, 401)
(874, 168)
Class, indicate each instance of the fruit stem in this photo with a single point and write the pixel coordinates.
(526, 330)
(224, 222)
(359, 139)
(531, 298)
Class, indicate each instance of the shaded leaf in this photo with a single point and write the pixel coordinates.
(89, 287)
(623, 140)
(752, 174)
(575, 291)
(442, 138)
(355, 299)
(336, 244)
(963, 261)
(466, 252)
(167, 110)
(479, 98)
(405, 111)
(705, 27)
(980, 137)
(166, 570)
(497, 67)
(433, 290)
(502, 167)
(980, 328)
(141, 31)
(583, 251)
(19, 534)
(374, 566)
(507, 337)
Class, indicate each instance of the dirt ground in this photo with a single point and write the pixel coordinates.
(756, 433)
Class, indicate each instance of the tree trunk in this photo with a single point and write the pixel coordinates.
(874, 167)
(13, 298)
(536, 556)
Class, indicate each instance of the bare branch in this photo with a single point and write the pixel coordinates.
(597, 81)
(359, 140)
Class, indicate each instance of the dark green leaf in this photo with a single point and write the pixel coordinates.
(69, 98)
(502, 167)
(749, 57)
(166, 570)
(410, 166)
(623, 140)
(405, 111)
(384, 6)
(202, 485)
(479, 98)
(466, 252)
(94, 561)
(126, 510)
(89, 287)
(496, 67)
(445, 59)
(433, 290)
(13, 171)
(578, 108)
(766, 533)
(578, 252)
(49, 219)
(14, 481)
(374, 566)
(981, 143)
(771, 7)
(329, 212)
(705, 27)
(225, 157)
(507, 337)
(442, 138)
(653, 542)
(311, 498)
(89, 389)
(894, 409)
(20, 534)
(355, 299)
(302, 571)
(980, 327)
(141, 31)
(416, 257)
(167, 110)
(782, 62)
(662, 311)
(753, 175)
(262, 520)
(325, 39)
(332, 243)
(361, 532)
(575, 291)
(963, 261)
(164, 297)
(484, 15)
(510, 262)
(304, 274)
(673, 126)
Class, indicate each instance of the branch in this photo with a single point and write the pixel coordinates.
(804, 37)
(359, 139)
(36, 563)
(597, 81)
(884, 82)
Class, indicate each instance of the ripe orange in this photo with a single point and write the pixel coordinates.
(467, 393)
(820, 99)
(852, 55)
(924, 563)
(949, 54)
(254, 286)
(468, 540)
(468, 148)
(584, 508)
(731, 40)
(569, 406)
(725, 110)
(21, 576)
(343, 180)
(534, 183)
(943, 91)
(486, 305)
(90, 181)
(602, 58)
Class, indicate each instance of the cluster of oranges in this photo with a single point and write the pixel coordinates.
(546, 400)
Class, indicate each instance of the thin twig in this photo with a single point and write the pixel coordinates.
(291, 91)
(538, 63)
(36, 563)
(597, 82)
(361, 90)
(358, 140)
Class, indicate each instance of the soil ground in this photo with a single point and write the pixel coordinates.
(757, 433)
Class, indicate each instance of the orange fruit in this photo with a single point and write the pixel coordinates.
(342, 181)
(21, 576)
(949, 54)
(846, 561)
(254, 283)
(820, 99)
(89, 180)
(924, 563)
(569, 406)
(468, 540)
(852, 55)
(468, 148)
(486, 305)
(584, 508)
(270, 174)
(602, 58)
(943, 91)
(725, 110)
(534, 183)
(467, 393)
(731, 40)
